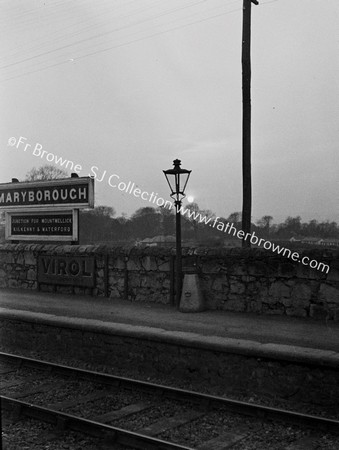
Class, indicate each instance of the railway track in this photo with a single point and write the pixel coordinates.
(139, 414)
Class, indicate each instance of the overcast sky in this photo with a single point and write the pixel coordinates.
(128, 86)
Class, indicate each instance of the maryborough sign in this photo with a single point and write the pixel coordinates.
(45, 210)
(75, 192)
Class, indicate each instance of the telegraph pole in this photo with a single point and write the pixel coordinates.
(246, 119)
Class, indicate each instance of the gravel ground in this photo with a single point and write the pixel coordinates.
(68, 391)
(17, 376)
(259, 435)
(331, 411)
(286, 437)
(29, 434)
(110, 403)
(165, 408)
(26, 383)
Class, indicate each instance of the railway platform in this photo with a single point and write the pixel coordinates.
(287, 338)
(278, 357)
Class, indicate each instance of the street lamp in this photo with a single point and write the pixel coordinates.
(177, 179)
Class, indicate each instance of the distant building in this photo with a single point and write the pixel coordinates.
(330, 242)
(157, 241)
(295, 239)
(312, 241)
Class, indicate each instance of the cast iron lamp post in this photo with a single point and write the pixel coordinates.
(177, 179)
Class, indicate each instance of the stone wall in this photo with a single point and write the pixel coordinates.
(252, 280)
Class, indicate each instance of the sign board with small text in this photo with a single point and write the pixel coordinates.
(40, 225)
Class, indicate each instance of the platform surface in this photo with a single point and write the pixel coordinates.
(276, 334)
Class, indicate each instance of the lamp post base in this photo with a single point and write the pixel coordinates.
(191, 298)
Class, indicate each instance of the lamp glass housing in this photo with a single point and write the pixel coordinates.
(177, 179)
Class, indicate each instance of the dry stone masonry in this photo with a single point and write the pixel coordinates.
(249, 280)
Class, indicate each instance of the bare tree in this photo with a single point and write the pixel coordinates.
(146, 222)
(103, 211)
(265, 223)
(235, 217)
(167, 220)
(47, 172)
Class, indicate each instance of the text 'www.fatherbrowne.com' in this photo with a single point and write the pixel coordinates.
(230, 229)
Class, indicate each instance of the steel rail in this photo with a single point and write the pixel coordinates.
(65, 421)
(238, 406)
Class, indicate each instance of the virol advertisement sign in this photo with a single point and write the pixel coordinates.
(69, 270)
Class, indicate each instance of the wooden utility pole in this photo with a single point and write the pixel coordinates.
(246, 119)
